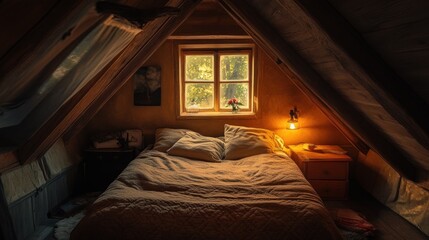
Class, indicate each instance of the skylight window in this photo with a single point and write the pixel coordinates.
(89, 57)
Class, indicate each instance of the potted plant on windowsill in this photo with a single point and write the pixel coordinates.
(235, 104)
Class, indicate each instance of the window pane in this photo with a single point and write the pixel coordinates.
(234, 90)
(199, 68)
(201, 94)
(234, 67)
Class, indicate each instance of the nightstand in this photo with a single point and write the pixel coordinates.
(327, 172)
(102, 166)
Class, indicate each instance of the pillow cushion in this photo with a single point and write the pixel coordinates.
(280, 144)
(165, 138)
(196, 146)
(243, 142)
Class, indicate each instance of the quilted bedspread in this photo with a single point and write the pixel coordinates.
(164, 197)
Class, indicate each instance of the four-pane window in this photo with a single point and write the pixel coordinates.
(211, 77)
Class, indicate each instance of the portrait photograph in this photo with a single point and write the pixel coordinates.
(147, 86)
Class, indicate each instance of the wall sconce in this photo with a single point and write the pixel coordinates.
(293, 123)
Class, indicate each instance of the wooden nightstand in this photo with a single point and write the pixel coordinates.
(327, 172)
(102, 166)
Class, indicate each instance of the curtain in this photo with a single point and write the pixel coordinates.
(90, 56)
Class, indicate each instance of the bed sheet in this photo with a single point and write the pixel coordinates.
(159, 196)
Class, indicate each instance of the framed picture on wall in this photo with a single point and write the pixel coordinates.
(147, 86)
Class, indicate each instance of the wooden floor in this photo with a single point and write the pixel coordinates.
(389, 225)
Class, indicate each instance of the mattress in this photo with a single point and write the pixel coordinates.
(159, 196)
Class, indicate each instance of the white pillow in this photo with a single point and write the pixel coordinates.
(243, 142)
(165, 138)
(196, 146)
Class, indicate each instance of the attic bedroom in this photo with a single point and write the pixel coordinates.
(214, 119)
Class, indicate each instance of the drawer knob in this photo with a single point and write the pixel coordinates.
(326, 172)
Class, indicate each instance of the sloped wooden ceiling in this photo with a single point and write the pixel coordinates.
(334, 62)
(398, 32)
(353, 81)
(34, 136)
(209, 20)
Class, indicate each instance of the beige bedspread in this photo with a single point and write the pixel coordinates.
(164, 197)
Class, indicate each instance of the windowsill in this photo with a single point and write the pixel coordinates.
(214, 115)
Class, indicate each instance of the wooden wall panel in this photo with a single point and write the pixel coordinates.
(40, 207)
(8, 160)
(22, 217)
(29, 214)
(277, 95)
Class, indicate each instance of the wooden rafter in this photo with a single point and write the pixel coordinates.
(268, 38)
(75, 113)
(8, 160)
(135, 16)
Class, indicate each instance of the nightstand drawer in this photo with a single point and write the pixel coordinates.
(330, 189)
(327, 170)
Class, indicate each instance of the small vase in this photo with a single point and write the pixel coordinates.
(235, 109)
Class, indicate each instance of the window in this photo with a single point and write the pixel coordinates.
(91, 55)
(210, 75)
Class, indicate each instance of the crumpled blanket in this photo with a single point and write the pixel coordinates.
(159, 196)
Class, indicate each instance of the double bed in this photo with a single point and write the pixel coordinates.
(195, 187)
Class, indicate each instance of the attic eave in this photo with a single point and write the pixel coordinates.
(342, 110)
(72, 116)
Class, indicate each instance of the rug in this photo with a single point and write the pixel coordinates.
(64, 227)
(352, 225)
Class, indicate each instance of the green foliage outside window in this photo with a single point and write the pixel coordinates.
(199, 67)
(234, 77)
(201, 94)
(234, 67)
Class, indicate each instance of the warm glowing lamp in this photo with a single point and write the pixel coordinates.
(293, 123)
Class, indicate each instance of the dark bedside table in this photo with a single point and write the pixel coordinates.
(102, 166)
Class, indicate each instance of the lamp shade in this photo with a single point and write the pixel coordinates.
(292, 124)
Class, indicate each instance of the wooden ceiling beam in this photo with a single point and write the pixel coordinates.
(393, 93)
(74, 114)
(330, 100)
(140, 56)
(8, 160)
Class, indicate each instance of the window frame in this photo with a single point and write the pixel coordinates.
(186, 49)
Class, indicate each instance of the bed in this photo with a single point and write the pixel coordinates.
(182, 192)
